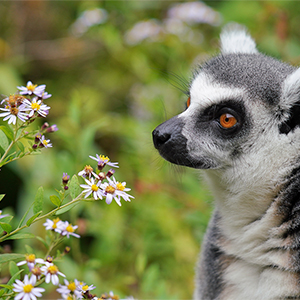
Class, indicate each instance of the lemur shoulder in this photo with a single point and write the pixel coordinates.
(242, 128)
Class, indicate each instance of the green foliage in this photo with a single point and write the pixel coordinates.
(109, 96)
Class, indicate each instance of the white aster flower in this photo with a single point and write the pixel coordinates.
(103, 161)
(36, 106)
(92, 188)
(31, 88)
(68, 229)
(51, 273)
(45, 143)
(69, 290)
(26, 289)
(11, 113)
(54, 224)
(30, 260)
(115, 190)
(88, 171)
(3, 216)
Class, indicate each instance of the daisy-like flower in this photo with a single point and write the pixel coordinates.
(88, 171)
(45, 143)
(36, 272)
(51, 273)
(92, 188)
(69, 290)
(68, 229)
(83, 288)
(26, 289)
(11, 113)
(30, 260)
(32, 89)
(103, 161)
(3, 216)
(54, 224)
(36, 106)
(45, 95)
(115, 190)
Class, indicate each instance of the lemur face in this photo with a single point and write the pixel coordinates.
(240, 102)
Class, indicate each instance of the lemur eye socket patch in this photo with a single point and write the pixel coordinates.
(227, 120)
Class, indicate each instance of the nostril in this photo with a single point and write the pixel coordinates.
(160, 138)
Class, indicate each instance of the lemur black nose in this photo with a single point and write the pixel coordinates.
(159, 137)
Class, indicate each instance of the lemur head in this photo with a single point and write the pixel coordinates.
(243, 112)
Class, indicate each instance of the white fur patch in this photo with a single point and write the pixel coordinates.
(235, 39)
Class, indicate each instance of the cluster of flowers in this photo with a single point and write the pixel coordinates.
(96, 185)
(71, 290)
(62, 227)
(26, 105)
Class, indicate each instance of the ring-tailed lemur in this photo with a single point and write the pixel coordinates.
(242, 125)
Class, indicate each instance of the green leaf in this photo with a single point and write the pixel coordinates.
(8, 132)
(13, 268)
(29, 221)
(6, 227)
(39, 200)
(74, 187)
(65, 209)
(55, 200)
(4, 143)
(18, 236)
(21, 146)
(10, 256)
(6, 286)
(13, 278)
(1, 196)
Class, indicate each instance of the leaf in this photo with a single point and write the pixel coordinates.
(18, 236)
(29, 221)
(7, 131)
(21, 146)
(65, 209)
(13, 278)
(39, 200)
(4, 143)
(6, 286)
(74, 187)
(6, 227)
(1, 196)
(55, 200)
(13, 268)
(10, 256)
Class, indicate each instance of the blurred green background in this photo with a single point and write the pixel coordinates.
(117, 69)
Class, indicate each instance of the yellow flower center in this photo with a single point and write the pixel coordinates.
(88, 169)
(52, 269)
(31, 87)
(70, 228)
(30, 258)
(72, 286)
(45, 142)
(55, 222)
(120, 186)
(110, 189)
(35, 106)
(85, 288)
(94, 188)
(14, 110)
(102, 157)
(70, 297)
(27, 288)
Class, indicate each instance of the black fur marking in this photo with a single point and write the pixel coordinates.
(293, 121)
(211, 284)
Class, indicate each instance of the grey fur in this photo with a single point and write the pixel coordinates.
(252, 246)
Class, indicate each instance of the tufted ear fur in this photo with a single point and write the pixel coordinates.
(235, 39)
(290, 102)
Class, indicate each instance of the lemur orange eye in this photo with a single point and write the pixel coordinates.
(188, 102)
(227, 120)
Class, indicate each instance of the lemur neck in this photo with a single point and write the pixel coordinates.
(261, 226)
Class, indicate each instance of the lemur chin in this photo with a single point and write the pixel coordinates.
(242, 126)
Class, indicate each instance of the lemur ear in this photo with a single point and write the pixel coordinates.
(290, 102)
(235, 39)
